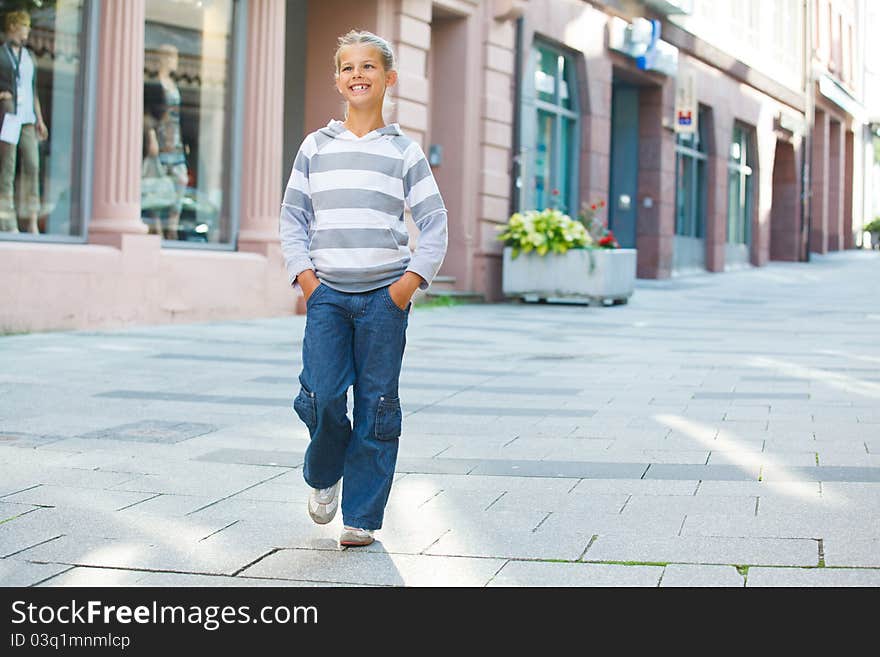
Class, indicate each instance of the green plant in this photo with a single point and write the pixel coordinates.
(543, 231)
(601, 236)
(873, 226)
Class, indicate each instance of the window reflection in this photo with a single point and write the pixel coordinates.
(40, 103)
(185, 142)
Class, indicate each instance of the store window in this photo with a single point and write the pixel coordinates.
(42, 76)
(690, 181)
(188, 123)
(548, 156)
(739, 186)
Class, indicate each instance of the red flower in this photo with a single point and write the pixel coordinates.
(555, 192)
(593, 207)
(601, 204)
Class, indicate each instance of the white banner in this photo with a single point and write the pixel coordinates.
(686, 103)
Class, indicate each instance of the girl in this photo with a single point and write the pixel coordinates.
(345, 245)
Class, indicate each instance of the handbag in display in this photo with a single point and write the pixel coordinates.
(158, 190)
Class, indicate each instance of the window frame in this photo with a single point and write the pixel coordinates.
(697, 151)
(565, 120)
(83, 141)
(744, 169)
(234, 133)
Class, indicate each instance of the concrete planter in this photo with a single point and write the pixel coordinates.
(610, 276)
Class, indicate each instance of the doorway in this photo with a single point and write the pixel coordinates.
(624, 183)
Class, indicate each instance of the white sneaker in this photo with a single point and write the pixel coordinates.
(323, 503)
(354, 537)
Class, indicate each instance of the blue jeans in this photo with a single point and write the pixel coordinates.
(352, 339)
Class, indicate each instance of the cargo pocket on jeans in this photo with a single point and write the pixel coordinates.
(388, 418)
(304, 405)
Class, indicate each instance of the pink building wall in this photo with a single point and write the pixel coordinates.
(123, 276)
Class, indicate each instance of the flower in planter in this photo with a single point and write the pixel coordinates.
(543, 231)
(598, 229)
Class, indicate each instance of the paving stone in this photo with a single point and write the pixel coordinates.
(153, 431)
(693, 575)
(77, 498)
(718, 504)
(686, 549)
(804, 577)
(558, 502)
(852, 551)
(164, 554)
(536, 573)
(703, 472)
(635, 486)
(560, 469)
(808, 525)
(375, 568)
(200, 482)
(797, 489)
(112, 525)
(167, 580)
(482, 539)
(763, 459)
(19, 572)
(255, 457)
(95, 577)
(822, 473)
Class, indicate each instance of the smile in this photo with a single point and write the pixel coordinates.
(359, 87)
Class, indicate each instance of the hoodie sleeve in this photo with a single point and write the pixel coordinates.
(428, 212)
(297, 215)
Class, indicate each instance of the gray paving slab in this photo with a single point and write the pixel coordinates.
(822, 473)
(730, 506)
(537, 573)
(19, 572)
(560, 469)
(94, 577)
(847, 551)
(809, 577)
(635, 486)
(747, 472)
(805, 490)
(126, 524)
(375, 568)
(163, 553)
(812, 524)
(587, 504)
(706, 550)
(77, 498)
(693, 575)
(507, 541)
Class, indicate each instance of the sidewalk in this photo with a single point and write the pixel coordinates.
(717, 430)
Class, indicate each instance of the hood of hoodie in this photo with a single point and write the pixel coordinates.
(337, 130)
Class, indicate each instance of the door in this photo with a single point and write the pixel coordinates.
(622, 206)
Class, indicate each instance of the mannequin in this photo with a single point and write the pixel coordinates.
(18, 95)
(162, 136)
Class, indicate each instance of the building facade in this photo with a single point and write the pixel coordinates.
(694, 125)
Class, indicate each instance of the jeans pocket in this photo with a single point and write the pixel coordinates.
(389, 419)
(394, 306)
(304, 405)
(318, 290)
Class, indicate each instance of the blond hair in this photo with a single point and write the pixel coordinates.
(367, 38)
(16, 18)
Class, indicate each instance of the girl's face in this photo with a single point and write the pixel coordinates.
(361, 78)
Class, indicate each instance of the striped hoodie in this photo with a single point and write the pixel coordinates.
(343, 210)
